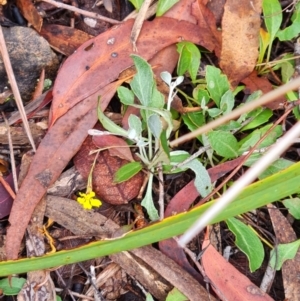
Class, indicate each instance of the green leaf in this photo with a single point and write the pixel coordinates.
(293, 30)
(164, 5)
(147, 201)
(189, 59)
(282, 253)
(176, 295)
(127, 171)
(217, 83)
(249, 141)
(224, 143)
(155, 125)
(202, 180)
(158, 100)
(110, 125)
(193, 121)
(248, 242)
(273, 18)
(175, 158)
(143, 82)
(135, 127)
(126, 96)
(137, 3)
(227, 102)
(11, 286)
(164, 143)
(293, 205)
(260, 119)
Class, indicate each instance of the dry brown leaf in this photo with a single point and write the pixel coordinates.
(240, 38)
(64, 39)
(30, 13)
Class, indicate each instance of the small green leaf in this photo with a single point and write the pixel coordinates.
(260, 119)
(11, 286)
(126, 96)
(202, 179)
(227, 102)
(193, 121)
(147, 201)
(164, 5)
(273, 18)
(293, 30)
(282, 253)
(155, 125)
(293, 205)
(224, 143)
(217, 83)
(176, 295)
(137, 3)
(135, 127)
(164, 143)
(110, 125)
(127, 171)
(143, 82)
(189, 59)
(248, 242)
(175, 158)
(158, 100)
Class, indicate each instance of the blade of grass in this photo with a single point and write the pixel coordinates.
(270, 189)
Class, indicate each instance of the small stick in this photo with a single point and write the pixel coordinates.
(82, 11)
(11, 152)
(14, 87)
(138, 23)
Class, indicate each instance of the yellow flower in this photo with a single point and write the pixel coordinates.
(88, 201)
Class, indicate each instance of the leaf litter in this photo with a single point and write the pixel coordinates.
(94, 70)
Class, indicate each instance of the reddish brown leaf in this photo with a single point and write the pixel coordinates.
(30, 13)
(116, 146)
(240, 38)
(254, 83)
(55, 151)
(64, 39)
(6, 200)
(290, 268)
(206, 19)
(230, 284)
(100, 60)
(103, 174)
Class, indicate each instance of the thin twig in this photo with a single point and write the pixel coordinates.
(138, 23)
(14, 87)
(82, 12)
(161, 191)
(275, 151)
(11, 152)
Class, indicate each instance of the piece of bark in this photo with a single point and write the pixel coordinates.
(72, 216)
(138, 269)
(173, 273)
(69, 181)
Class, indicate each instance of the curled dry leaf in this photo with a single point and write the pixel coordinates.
(103, 174)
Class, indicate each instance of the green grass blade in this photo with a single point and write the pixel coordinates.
(270, 189)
